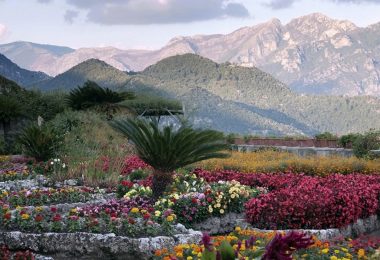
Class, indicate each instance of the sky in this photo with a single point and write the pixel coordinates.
(150, 24)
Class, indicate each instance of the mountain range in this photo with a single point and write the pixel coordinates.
(230, 98)
(313, 54)
(21, 76)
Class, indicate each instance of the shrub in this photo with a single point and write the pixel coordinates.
(326, 136)
(363, 144)
(39, 142)
(346, 141)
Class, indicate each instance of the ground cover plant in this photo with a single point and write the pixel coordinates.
(46, 196)
(133, 218)
(275, 161)
(14, 171)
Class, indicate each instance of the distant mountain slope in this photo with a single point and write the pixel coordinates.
(246, 100)
(312, 54)
(94, 70)
(33, 56)
(21, 76)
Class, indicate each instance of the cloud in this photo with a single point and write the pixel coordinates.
(282, 4)
(3, 31)
(44, 1)
(136, 12)
(70, 16)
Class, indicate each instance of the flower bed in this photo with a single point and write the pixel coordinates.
(250, 244)
(273, 161)
(14, 171)
(133, 217)
(298, 201)
(46, 196)
(193, 200)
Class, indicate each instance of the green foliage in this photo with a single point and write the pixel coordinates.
(226, 251)
(151, 104)
(326, 136)
(364, 143)
(348, 139)
(167, 149)
(92, 95)
(39, 142)
(249, 101)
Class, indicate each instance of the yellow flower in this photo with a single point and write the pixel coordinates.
(221, 211)
(157, 213)
(325, 250)
(38, 209)
(170, 218)
(237, 229)
(25, 216)
(344, 249)
(336, 251)
(73, 210)
(189, 258)
(361, 253)
(333, 257)
(135, 210)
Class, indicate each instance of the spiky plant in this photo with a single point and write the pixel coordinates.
(91, 95)
(169, 148)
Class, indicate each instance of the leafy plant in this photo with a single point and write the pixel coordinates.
(39, 142)
(346, 140)
(92, 95)
(326, 136)
(363, 144)
(10, 110)
(167, 148)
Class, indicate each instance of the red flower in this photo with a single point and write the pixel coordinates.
(194, 200)
(57, 218)
(126, 183)
(38, 218)
(131, 221)
(209, 200)
(146, 216)
(8, 216)
(53, 209)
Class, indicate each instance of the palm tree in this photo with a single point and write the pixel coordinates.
(92, 95)
(167, 148)
(10, 110)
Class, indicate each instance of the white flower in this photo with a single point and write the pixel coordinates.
(63, 165)
(58, 160)
(51, 162)
(55, 160)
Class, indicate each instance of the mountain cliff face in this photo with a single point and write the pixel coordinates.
(23, 77)
(312, 54)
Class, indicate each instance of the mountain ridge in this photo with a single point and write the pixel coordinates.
(313, 54)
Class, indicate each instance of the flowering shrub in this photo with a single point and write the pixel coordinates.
(133, 163)
(134, 218)
(331, 202)
(299, 201)
(193, 200)
(273, 161)
(251, 244)
(46, 196)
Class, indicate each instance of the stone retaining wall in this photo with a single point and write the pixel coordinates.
(94, 246)
(228, 222)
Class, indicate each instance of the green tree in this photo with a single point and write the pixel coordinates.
(91, 95)
(364, 143)
(167, 148)
(10, 110)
